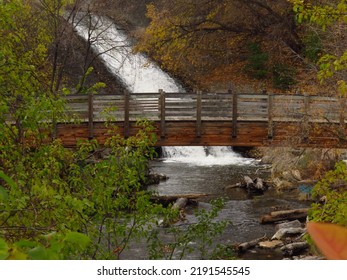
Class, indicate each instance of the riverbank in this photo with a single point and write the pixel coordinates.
(241, 211)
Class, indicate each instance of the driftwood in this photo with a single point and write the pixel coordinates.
(273, 244)
(167, 199)
(250, 244)
(277, 216)
(285, 232)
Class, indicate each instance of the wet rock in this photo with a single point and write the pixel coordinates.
(291, 224)
(293, 249)
(155, 178)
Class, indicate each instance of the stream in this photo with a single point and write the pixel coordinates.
(209, 171)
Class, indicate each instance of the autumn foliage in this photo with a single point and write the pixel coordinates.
(330, 239)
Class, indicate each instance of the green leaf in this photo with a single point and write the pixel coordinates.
(38, 253)
(78, 239)
(7, 179)
(3, 194)
(25, 244)
(3, 250)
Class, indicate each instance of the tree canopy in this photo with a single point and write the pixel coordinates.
(196, 37)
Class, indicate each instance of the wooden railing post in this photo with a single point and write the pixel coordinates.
(234, 128)
(162, 113)
(198, 114)
(90, 116)
(126, 113)
(306, 127)
(270, 116)
(54, 127)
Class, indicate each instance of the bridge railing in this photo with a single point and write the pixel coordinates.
(199, 107)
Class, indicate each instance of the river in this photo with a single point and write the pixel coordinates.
(211, 170)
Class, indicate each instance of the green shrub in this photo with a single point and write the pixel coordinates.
(257, 60)
(283, 76)
(313, 46)
(331, 192)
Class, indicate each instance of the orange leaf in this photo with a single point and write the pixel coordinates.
(330, 239)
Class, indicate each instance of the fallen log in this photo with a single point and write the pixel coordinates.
(250, 244)
(167, 199)
(277, 216)
(235, 186)
(287, 232)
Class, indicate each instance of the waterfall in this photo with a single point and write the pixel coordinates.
(139, 74)
(114, 48)
(198, 155)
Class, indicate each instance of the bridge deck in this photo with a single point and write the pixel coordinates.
(211, 118)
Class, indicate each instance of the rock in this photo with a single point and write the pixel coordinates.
(248, 181)
(154, 179)
(259, 184)
(296, 175)
(180, 203)
(292, 224)
(294, 248)
(292, 176)
(282, 184)
(286, 232)
(270, 244)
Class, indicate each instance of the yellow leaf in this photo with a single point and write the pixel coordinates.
(330, 239)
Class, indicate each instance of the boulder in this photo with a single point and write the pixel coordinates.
(291, 224)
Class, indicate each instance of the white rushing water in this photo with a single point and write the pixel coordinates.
(139, 74)
(135, 70)
(205, 156)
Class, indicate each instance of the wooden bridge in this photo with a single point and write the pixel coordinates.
(211, 118)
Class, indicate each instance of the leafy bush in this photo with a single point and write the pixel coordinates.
(199, 236)
(313, 46)
(283, 76)
(332, 193)
(256, 66)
